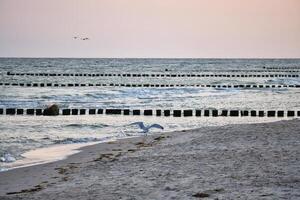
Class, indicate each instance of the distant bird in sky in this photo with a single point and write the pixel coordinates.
(80, 38)
(146, 129)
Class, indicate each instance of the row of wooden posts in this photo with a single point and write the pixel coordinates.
(157, 75)
(281, 68)
(157, 112)
(145, 85)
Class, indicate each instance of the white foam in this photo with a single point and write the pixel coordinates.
(62, 151)
(48, 154)
(7, 157)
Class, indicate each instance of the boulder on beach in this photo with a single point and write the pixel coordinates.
(52, 110)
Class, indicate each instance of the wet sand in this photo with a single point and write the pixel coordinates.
(47, 155)
(249, 161)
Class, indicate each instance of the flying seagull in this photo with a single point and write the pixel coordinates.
(146, 129)
(80, 38)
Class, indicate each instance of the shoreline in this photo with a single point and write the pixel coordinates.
(38, 156)
(84, 154)
(168, 154)
(46, 155)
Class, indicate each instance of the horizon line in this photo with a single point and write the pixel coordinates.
(223, 58)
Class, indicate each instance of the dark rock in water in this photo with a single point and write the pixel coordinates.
(200, 195)
(52, 110)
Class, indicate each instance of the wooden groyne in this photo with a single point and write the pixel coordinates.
(156, 112)
(146, 85)
(203, 75)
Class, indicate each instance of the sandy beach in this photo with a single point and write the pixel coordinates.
(149, 100)
(249, 161)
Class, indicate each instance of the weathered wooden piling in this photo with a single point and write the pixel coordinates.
(74, 111)
(30, 111)
(206, 113)
(20, 111)
(148, 112)
(198, 113)
(167, 113)
(280, 113)
(215, 113)
(188, 113)
(158, 112)
(82, 111)
(66, 111)
(113, 111)
(126, 112)
(271, 113)
(234, 113)
(38, 112)
(261, 113)
(290, 113)
(224, 113)
(136, 112)
(92, 111)
(244, 113)
(253, 113)
(177, 113)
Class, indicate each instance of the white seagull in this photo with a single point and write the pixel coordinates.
(145, 129)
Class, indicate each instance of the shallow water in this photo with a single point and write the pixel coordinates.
(19, 134)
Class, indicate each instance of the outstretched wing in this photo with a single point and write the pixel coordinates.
(156, 126)
(139, 124)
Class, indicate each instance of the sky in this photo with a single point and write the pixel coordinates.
(150, 28)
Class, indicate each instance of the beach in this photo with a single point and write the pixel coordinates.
(87, 90)
(245, 161)
(149, 100)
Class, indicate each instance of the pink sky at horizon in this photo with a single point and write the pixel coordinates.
(150, 28)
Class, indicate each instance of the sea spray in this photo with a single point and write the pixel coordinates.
(7, 157)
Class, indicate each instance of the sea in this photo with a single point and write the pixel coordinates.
(22, 133)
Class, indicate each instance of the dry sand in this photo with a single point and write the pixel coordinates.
(254, 161)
